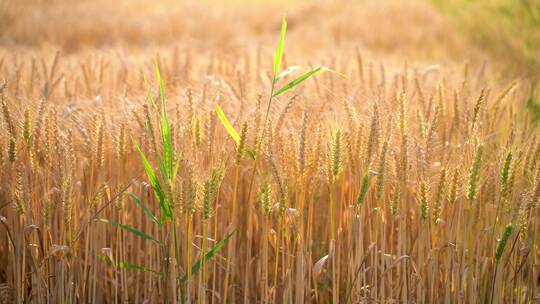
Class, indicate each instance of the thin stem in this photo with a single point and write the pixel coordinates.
(203, 262)
(190, 253)
(333, 244)
(232, 243)
(494, 281)
(164, 260)
(280, 233)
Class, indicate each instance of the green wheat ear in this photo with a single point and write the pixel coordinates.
(499, 253)
(505, 174)
(474, 175)
(364, 187)
(504, 239)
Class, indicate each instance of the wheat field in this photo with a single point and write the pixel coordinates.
(167, 152)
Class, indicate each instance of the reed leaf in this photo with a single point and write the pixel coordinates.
(156, 186)
(288, 71)
(197, 266)
(146, 211)
(232, 131)
(124, 265)
(130, 229)
(279, 51)
(166, 132)
(303, 77)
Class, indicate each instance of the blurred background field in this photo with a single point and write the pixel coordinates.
(413, 30)
(504, 35)
(434, 30)
(500, 35)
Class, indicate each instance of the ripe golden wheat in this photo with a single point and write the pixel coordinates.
(392, 185)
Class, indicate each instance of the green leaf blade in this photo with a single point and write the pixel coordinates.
(149, 213)
(156, 186)
(130, 229)
(124, 265)
(149, 94)
(303, 77)
(288, 71)
(225, 122)
(298, 80)
(166, 131)
(232, 131)
(207, 256)
(279, 51)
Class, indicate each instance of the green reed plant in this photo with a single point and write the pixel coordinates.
(275, 91)
(162, 183)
